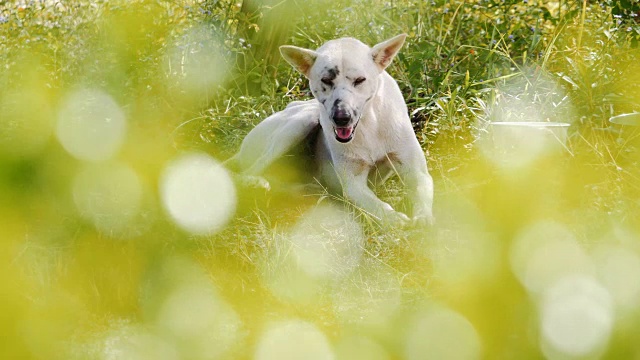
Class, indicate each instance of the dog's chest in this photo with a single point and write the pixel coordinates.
(369, 151)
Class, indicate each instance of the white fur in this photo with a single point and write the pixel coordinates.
(382, 138)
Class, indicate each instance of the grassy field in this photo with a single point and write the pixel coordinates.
(123, 238)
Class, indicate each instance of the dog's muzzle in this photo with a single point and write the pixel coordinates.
(343, 130)
(344, 134)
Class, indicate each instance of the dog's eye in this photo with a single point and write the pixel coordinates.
(359, 81)
(327, 81)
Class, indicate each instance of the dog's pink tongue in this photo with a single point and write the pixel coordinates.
(344, 132)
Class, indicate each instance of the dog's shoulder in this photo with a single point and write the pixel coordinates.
(303, 103)
(297, 113)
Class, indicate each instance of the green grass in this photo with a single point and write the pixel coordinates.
(92, 266)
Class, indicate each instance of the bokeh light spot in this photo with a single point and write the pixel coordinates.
(327, 242)
(576, 317)
(514, 145)
(369, 296)
(91, 126)
(282, 275)
(619, 271)
(442, 333)
(360, 347)
(184, 306)
(527, 122)
(199, 321)
(198, 193)
(135, 343)
(544, 252)
(196, 61)
(292, 340)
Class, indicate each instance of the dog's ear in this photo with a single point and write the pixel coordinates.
(301, 59)
(384, 52)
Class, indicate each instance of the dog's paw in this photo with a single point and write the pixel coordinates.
(423, 220)
(255, 182)
(396, 219)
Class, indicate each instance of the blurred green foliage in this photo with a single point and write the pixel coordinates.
(92, 266)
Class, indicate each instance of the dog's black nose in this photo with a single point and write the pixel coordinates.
(341, 117)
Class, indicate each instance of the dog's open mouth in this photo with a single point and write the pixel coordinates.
(344, 134)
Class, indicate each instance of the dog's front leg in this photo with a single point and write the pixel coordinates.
(420, 190)
(356, 190)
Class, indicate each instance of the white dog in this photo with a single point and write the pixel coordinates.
(365, 133)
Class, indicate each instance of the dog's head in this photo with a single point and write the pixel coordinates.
(344, 76)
